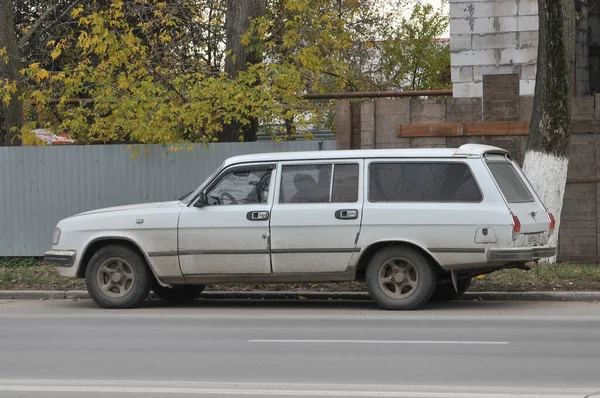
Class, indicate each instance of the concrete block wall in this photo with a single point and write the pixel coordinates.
(492, 37)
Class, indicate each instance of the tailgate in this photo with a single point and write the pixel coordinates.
(522, 201)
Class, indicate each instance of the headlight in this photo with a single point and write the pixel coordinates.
(56, 236)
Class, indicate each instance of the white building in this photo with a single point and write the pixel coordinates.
(500, 37)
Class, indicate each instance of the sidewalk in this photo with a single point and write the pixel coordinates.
(268, 295)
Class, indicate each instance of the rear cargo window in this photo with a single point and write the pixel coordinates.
(510, 183)
(422, 182)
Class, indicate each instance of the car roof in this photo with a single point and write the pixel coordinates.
(468, 150)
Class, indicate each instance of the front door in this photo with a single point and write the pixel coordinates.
(316, 217)
(230, 234)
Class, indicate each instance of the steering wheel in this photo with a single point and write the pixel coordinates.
(262, 186)
(225, 195)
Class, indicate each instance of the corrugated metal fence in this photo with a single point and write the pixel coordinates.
(41, 185)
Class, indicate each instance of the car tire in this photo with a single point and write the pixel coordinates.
(118, 277)
(446, 292)
(400, 278)
(178, 294)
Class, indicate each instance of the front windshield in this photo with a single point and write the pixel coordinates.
(190, 195)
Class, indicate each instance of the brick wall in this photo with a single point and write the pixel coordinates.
(411, 123)
(501, 97)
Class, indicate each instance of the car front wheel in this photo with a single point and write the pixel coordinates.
(118, 277)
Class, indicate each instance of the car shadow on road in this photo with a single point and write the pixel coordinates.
(332, 304)
(300, 302)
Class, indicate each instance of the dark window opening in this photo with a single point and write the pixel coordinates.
(422, 182)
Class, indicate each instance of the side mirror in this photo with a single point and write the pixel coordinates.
(202, 201)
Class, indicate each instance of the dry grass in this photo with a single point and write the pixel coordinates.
(542, 277)
(35, 277)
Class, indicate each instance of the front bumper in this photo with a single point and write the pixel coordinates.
(521, 253)
(60, 258)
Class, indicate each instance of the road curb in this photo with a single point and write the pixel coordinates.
(77, 294)
(260, 295)
(32, 294)
(538, 296)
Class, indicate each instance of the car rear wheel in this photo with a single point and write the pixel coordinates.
(118, 277)
(446, 292)
(178, 294)
(400, 278)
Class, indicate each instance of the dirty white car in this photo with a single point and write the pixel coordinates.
(414, 224)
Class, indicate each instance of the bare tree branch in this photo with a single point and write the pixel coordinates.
(38, 30)
(37, 25)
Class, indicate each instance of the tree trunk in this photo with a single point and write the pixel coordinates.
(237, 22)
(11, 116)
(547, 155)
(290, 129)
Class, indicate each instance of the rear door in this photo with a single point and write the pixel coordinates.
(316, 216)
(522, 201)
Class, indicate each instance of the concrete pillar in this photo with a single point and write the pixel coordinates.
(367, 125)
(343, 124)
(390, 113)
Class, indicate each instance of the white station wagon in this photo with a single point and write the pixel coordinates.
(414, 224)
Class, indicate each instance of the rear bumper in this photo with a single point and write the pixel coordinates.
(60, 258)
(521, 253)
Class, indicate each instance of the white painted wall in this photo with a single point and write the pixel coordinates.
(492, 37)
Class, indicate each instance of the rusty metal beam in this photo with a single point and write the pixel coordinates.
(354, 94)
(379, 94)
(462, 129)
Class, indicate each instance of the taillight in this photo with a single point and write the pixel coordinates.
(516, 226)
(552, 223)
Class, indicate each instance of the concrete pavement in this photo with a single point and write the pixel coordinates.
(140, 389)
(64, 348)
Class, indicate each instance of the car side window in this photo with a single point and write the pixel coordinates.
(241, 186)
(422, 182)
(312, 183)
(305, 183)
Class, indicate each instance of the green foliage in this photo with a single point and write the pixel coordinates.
(139, 100)
(412, 58)
(150, 71)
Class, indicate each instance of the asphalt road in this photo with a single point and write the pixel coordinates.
(67, 348)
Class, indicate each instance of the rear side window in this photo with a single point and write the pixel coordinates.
(510, 183)
(345, 183)
(312, 183)
(422, 182)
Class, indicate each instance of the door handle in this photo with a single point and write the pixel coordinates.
(346, 214)
(257, 216)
